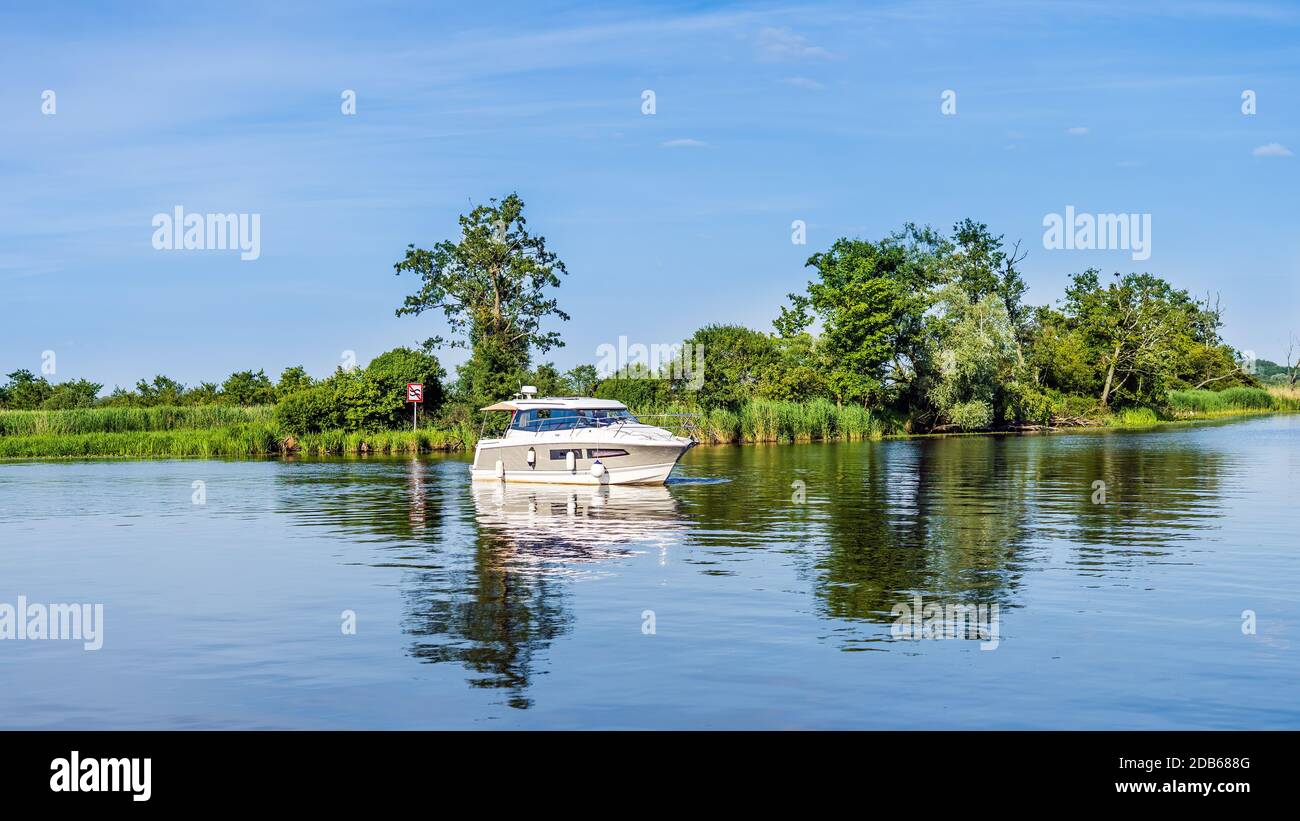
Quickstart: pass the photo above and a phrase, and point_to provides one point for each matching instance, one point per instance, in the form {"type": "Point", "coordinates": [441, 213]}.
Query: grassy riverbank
{"type": "Point", "coordinates": [228, 431]}
{"type": "Point", "coordinates": [214, 431]}
{"type": "Point", "coordinates": [202, 431]}
{"type": "Point", "coordinates": [240, 440]}
{"type": "Point", "coordinates": [1193, 405]}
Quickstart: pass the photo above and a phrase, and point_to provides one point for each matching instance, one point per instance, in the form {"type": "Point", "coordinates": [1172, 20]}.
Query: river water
{"type": "Point", "coordinates": [971, 582]}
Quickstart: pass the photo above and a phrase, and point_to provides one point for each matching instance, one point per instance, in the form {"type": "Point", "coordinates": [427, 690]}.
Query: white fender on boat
{"type": "Point", "coordinates": [597, 469]}
{"type": "Point", "coordinates": [501, 469]}
{"type": "Point", "coordinates": [570, 461]}
{"type": "Point", "coordinates": [532, 457]}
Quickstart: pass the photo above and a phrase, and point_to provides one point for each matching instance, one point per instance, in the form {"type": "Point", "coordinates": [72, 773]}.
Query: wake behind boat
{"type": "Point", "coordinates": [576, 441]}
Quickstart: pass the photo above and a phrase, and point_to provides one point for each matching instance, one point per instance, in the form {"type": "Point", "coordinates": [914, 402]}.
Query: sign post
{"type": "Point", "coordinates": [414, 395]}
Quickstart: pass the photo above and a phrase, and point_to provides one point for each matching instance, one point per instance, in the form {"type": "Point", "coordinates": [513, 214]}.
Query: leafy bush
{"type": "Point", "coordinates": [635, 389]}
{"type": "Point", "coordinates": [80, 393]}
{"type": "Point", "coordinates": [1073, 406]}
{"type": "Point", "coordinates": [974, 415]}
{"type": "Point", "coordinates": [399, 366]}
{"type": "Point", "coordinates": [371, 399]}
{"type": "Point", "coordinates": [1028, 404]}
{"type": "Point", "coordinates": [309, 411]}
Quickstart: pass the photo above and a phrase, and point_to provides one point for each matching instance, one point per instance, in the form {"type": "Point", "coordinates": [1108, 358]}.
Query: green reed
{"type": "Point", "coordinates": [121, 420]}
{"type": "Point", "coordinates": [768, 420]}
{"type": "Point", "coordinates": [233, 441]}
{"type": "Point", "coordinates": [1232, 400]}
{"type": "Point", "coordinates": [236, 440]}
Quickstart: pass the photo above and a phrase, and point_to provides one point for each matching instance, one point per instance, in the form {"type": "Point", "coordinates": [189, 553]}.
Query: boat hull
{"type": "Point", "coordinates": [623, 462]}
{"type": "Point", "coordinates": [641, 475]}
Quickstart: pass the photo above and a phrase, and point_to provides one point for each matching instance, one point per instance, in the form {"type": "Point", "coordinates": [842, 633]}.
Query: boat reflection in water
{"type": "Point", "coordinates": [498, 613]}
{"type": "Point", "coordinates": [549, 526]}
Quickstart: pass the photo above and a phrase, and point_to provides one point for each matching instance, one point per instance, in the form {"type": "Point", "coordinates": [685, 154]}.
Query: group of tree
{"type": "Point", "coordinates": [935, 330]}
{"type": "Point", "coordinates": [931, 328]}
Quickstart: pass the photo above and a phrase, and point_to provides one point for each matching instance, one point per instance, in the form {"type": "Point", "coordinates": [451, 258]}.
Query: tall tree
{"type": "Point", "coordinates": [248, 388]}
{"type": "Point", "coordinates": [981, 266]}
{"type": "Point", "coordinates": [493, 288]}
{"type": "Point", "coordinates": [26, 390]}
{"type": "Point", "coordinates": [1134, 325]}
{"type": "Point", "coordinates": [293, 379]}
{"type": "Point", "coordinates": [975, 360]}
{"type": "Point", "coordinates": [582, 380]}
{"type": "Point", "coordinates": [871, 299]}
{"type": "Point", "coordinates": [77, 393]}
{"type": "Point", "coordinates": [734, 358]}
{"type": "Point", "coordinates": [1292, 365]}
{"type": "Point", "coordinates": [163, 390]}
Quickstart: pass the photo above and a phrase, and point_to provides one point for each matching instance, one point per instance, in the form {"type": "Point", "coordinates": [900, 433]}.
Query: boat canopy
{"type": "Point", "coordinates": [571, 402]}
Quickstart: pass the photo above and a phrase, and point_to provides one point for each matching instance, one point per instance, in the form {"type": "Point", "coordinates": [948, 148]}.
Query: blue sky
{"type": "Point", "coordinates": [765, 114]}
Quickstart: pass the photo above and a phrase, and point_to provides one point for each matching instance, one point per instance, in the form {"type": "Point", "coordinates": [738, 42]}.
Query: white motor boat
{"type": "Point", "coordinates": [576, 441]}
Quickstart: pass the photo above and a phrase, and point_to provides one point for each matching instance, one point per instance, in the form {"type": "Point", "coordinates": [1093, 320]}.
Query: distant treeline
{"type": "Point", "coordinates": [369, 398]}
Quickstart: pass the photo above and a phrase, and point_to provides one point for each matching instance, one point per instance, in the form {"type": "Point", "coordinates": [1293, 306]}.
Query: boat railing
{"type": "Point", "coordinates": [687, 421]}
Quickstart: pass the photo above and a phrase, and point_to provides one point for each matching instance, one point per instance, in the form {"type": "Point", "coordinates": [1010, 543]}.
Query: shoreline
{"type": "Point", "coordinates": [263, 442]}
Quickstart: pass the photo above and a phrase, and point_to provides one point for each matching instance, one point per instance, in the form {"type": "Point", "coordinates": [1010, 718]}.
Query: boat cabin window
{"type": "Point", "coordinates": [539, 420]}
{"type": "Point", "coordinates": [601, 416]}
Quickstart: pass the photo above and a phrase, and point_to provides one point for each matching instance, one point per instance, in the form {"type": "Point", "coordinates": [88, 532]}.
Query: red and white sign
{"type": "Point", "coordinates": [414, 392]}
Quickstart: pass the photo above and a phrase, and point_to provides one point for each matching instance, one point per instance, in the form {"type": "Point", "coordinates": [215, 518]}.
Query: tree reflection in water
{"type": "Point", "coordinates": [956, 520]}
{"type": "Point", "coordinates": [959, 520]}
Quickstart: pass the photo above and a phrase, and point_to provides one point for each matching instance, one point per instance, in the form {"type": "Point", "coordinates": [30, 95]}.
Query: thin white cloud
{"type": "Point", "coordinates": [1272, 150]}
{"type": "Point", "coordinates": [1077, 131]}
{"type": "Point", "coordinates": [685, 142]}
{"type": "Point", "coordinates": [781, 44]}
{"type": "Point", "coordinates": [803, 82]}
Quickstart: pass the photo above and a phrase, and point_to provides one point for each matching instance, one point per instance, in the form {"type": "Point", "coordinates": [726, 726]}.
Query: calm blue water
{"type": "Point", "coordinates": [527, 606]}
